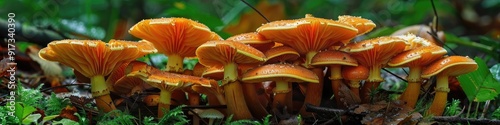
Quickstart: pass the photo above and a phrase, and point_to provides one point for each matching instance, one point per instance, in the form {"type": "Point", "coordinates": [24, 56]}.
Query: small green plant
{"type": "Point", "coordinates": [496, 114]}
{"type": "Point", "coordinates": [117, 117]}
{"type": "Point", "coordinates": [240, 122]}
{"type": "Point", "coordinates": [453, 108]}
{"type": "Point", "coordinates": [54, 105]}
{"type": "Point", "coordinates": [175, 116]}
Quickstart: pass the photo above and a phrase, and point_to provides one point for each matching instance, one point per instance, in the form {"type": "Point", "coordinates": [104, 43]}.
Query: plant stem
{"type": "Point", "coordinates": [100, 93]}
{"type": "Point", "coordinates": [236, 103]}
{"type": "Point", "coordinates": [164, 102]}
{"type": "Point", "coordinates": [410, 95]}
{"type": "Point", "coordinates": [371, 83]}
{"type": "Point", "coordinates": [175, 63]}
{"type": "Point", "coordinates": [439, 102]}
{"type": "Point", "coordinates": [281, 91]}
{"type": "Point", "coordinates": [313, 93]}
{"type": "Point", "coordinates": [336, 77]}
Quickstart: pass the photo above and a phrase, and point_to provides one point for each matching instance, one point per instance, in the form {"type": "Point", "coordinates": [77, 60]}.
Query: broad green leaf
{"type": "Point", "coordinates": [495, 71]}
{"type": "Point", "coordinates": [23, 111]}
{"type": "Point", "coordinates": [479, 86]}
{"type": "Point", "coordinates": [48, 118]}
{"type": "Point", "coordinates": [33, 118]}
{"type": "Point", "coordinates": [65, 122]}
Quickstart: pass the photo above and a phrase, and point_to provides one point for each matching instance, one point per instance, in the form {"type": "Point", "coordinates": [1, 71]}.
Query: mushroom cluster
{"type": "Point", "coordinates": [256, 70]}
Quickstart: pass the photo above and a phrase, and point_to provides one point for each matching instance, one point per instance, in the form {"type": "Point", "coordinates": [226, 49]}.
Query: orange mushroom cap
{"type": "Point", "coordinates": [331, 57]}
{"type": "Point", "coordinates": [309, 33]}
{"type": "Point", "coordinates": [451, 65]}
{"type": "Point", "coordinates": [415, 41]}
{"type": "Point", "coordinates": [363, 25]}
{"type": "Point", "coordinates": [168, 81]}
{"type": "Point", "coordinates": [94, 57]}
{"type": "Point", "coordinates": [417, 57]}
{"type": "Point", "coordinates": [220, 53]}
{"type": "Point", "coordinates": [281, 54]}
{"type": "Point", "coordinates": [280, 72]}
{"type": "Point", "coordinates": [198, 69]}
{"type": "Point", "coordinates": [253, 39]}
{"type": "Point", "coordinates": [375, 51]}
{"type": "Point", "coordinates": [355, 72]}
{"type": "Point", "coordinates": [216, 73]}
{"type": "Point", "coordinates": [174, 35]}
{"type": "Point", "coordinates": [129, 85]}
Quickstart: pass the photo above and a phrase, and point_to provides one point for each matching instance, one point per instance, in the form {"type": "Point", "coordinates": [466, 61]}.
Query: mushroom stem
{"type": "Point", "coordinates": [410, 95]}
{"type": "Point", "coordinates": [336, 77]}
{"type": "Point", "coordinates": [236, 103]}
{"type": "Point", "coordinates": [313, 93]}
{"type": "Point", "coordinates": [281, 91]}
{"type": "Point", "coordinates": [100, 93]}
{"type": "Point", "coordinates": [354, 86]}
{"type": "Point", "coordinates": [194, 98]}
{"type": "Point", "coordinates": [164, 103]}
{"type": "Point", "coordinates": [371, 84]}
{"type": "Point", "coordinates": [442, 89]}
{"type": "Point", "coordinates": [175, 63]}
{"type": "Point", "coordinates": [309, 57]}
{"type": "Point", "coordinates": [252, 99]}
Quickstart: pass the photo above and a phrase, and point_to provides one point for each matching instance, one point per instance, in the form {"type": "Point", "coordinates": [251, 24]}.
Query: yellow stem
{"type": "Point", "coordinates": [235, 100]}
{"type": "Point", "coordinates": [439, 102]}
{"type": "Point", "coordinates": [100, 93]}
{"type": "Point", "coordinates": [175, 63]}
{"type": "Point", "coordinates": [410, 95]}
{"type": "Point", "coordinates": [281, 92]}
{"type": "Point", "coordinates": [164, 103]}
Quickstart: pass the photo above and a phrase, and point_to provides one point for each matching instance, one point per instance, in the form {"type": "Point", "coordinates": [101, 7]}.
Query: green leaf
{"type": "Point", "coordinates": [48, 118]}
{"type": "Point", "coordinates": [479, 86]}
{"type": "Point", "coordinates": [65, 122]}
{"type": "Point", "coordinates": [23, 111]}
{"type": "Point", "coordinates": [31, 118]}
{"type": "Point", "coordinates": [495, 71]}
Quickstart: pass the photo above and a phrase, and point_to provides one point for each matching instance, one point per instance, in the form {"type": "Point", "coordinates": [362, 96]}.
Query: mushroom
{"type": "Point", "coordinates": [451, 66]}
{"type": "Point", "coordinates": [258, 42]}
{"type": "Point", "coordinates": [167, 82]}
{"type": "Point", "coordinates": [210, 114]}
{"type": "Point", "coordinates": [363, 25]}
{"type": "Point", "coordinates": [175, 37]}
{"type": "Point", "coordinates": [282, 74]}
{"type": "Point", "coordinates": [334, 60]}
{"type": "Point", "coordinates": [214, 93]}
{"type": "Point", "coordinates": [95, 59]}
{"type": "Point", "coordinates": [230, 54]}
{"type": "Point", "coordinates": [416, 59]}
{"type": "Point", "coordinates": [253, 39]}
{"type": "Point", "coordinates": [281, 54]}
{"type": "Point", "coordinates": [308, 36]}
{"type": "Point", "coordinates": [355, 74]}
{"type": "Point", "coordinates": [374, 54]}
{"type": "Point", "coordinates": [128, 85]}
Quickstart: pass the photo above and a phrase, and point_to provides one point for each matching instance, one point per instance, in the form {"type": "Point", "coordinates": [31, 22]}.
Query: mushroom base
{"type": "Point", "coordinates": [236, 103]}
{"type": "Point", "coordinates": [438, 104]}
{"type": "Point", "coordinates": [314, 93]}
{"type": "Point", "coordinates": [410, 95]}
{"type": "Point", "coordinates": [100, 93]}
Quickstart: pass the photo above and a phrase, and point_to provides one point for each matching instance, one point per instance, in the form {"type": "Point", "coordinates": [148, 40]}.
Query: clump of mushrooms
{"type": "Point", "coordinates": [95, 59]}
